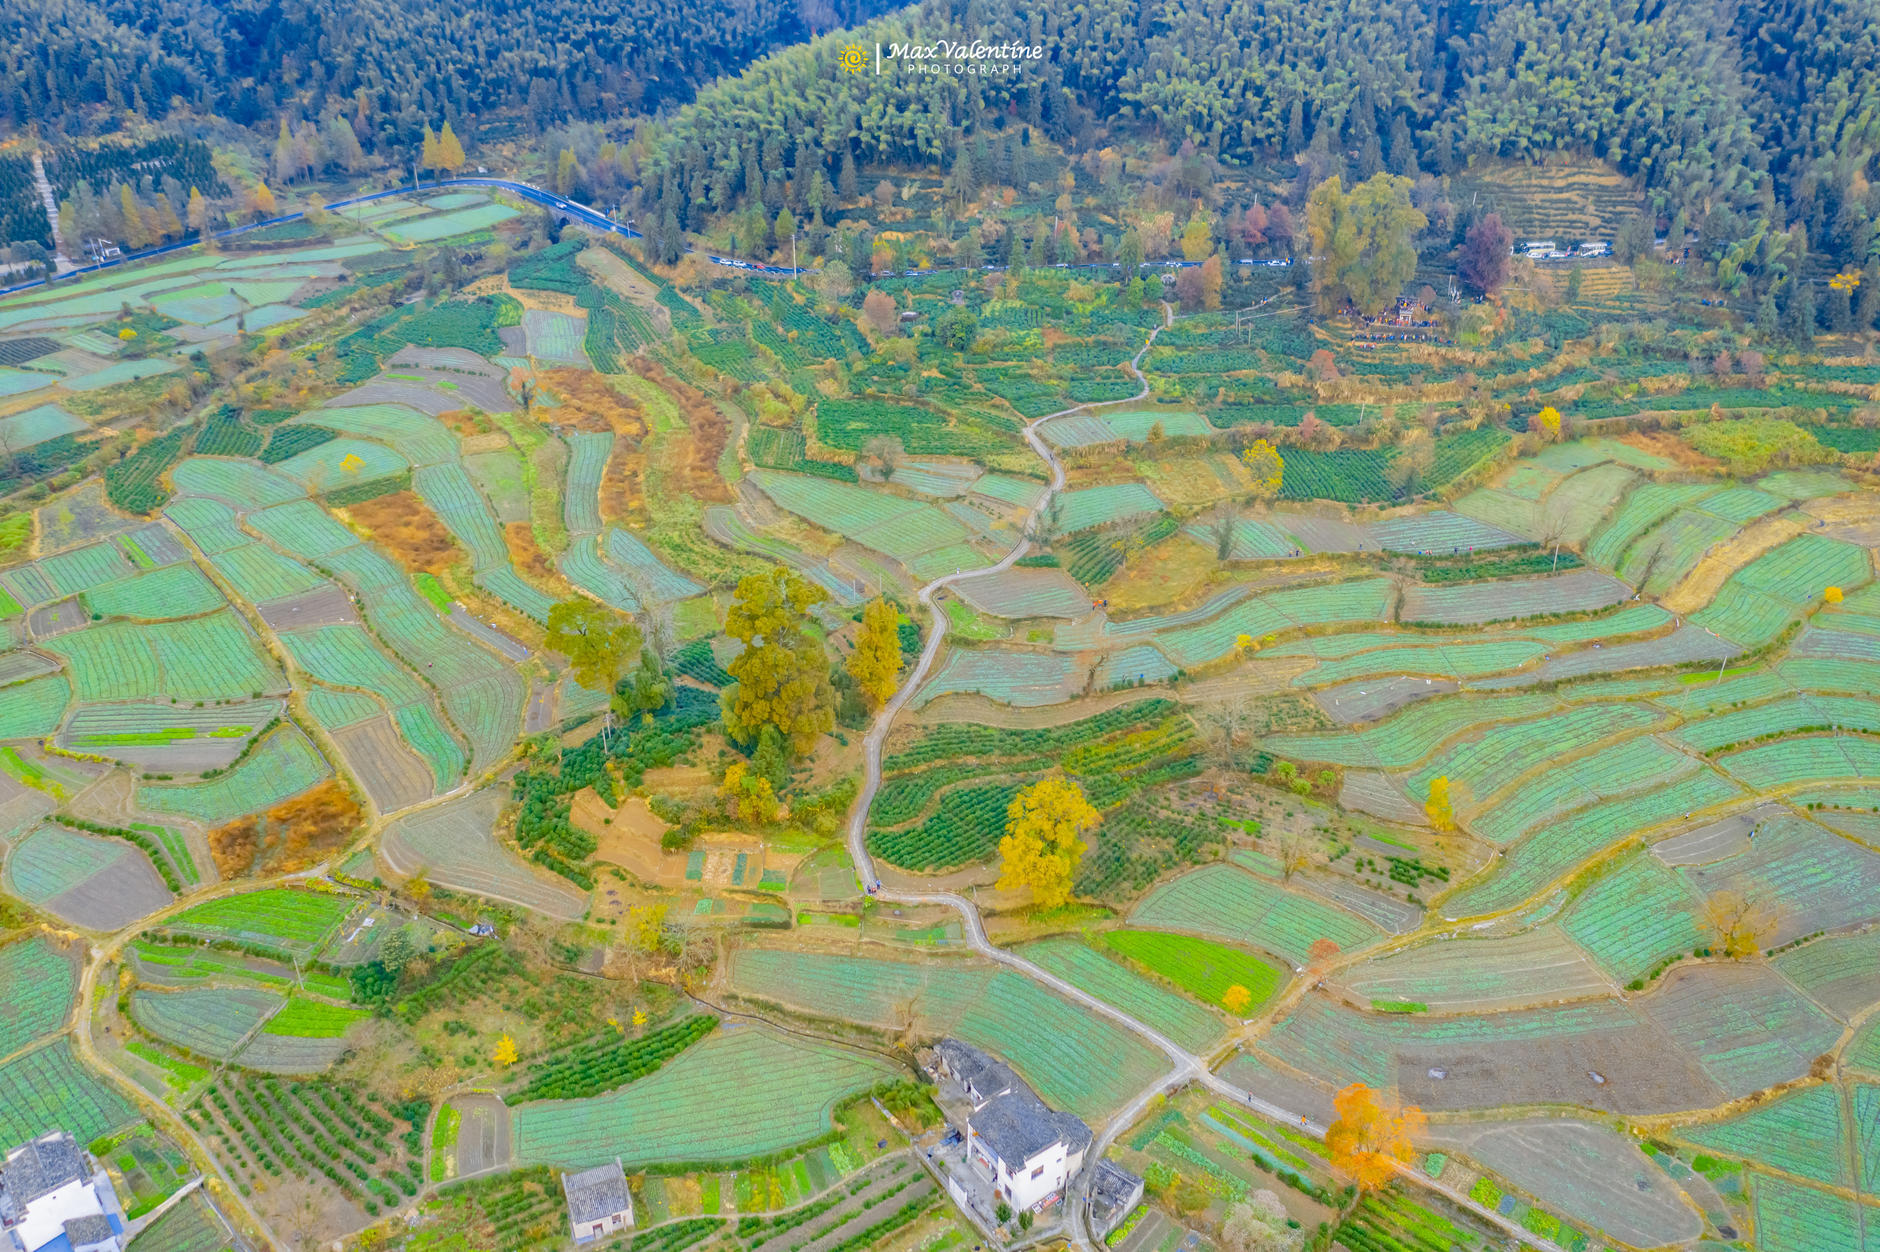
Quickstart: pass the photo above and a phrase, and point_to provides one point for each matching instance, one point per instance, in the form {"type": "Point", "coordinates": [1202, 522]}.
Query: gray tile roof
{"type": "Point", "coordinates": [594, 1194]}
{"type": "Point", "coordinates": [1111, 1185]}
{"type": "Point", "coordinates": [42, 1167]}
{"type": "Point", "coordinates": [93, 1228]}
{"type": "Point", "coordinates": [1012, 1121]}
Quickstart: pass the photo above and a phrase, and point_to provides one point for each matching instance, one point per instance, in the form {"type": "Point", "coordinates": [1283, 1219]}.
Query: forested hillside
{"type": "Point", "coordinates": [389, 64]}
{"type": "Point", "coordinates": [1756, 124]}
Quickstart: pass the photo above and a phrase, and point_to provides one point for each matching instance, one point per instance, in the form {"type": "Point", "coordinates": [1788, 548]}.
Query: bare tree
{"type": "Point", "coordinates": [1739, 921]}
{"type": "Point", "coordinates": [1296, 852]}
{"type": "Point", "coordinates": [881, 454]}
{"type": "Point", "coordinates": [1226, 514]}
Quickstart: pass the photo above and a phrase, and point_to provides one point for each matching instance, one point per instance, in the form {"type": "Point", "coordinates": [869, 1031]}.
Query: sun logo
{"type": "Point", "coordinates": [854, 58]}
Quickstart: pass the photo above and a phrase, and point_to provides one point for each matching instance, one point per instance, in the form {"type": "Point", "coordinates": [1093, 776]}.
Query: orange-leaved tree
{"type": "Point", "coordinates": [1371, 1135]}
{"type": "Point", "coordinates": [875, 664]}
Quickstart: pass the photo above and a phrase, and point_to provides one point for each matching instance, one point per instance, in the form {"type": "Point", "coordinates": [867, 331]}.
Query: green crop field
{"type": "Point", "coordinates": [1073, 511]}
{"type": "Point", "coordinates": [259, 574]}
{"type": "Point", "coordinates": [37, 984]}
{"type": "Point", "coordinates": [47, 1089]}
{"type": "Point", "coordinates": [202, 658]}
{"type": "Point", "coordinates": [1798, 1217]}
{"type": "Point", "coordinates": [205, 1021]}
{"type": "Point", "coordinates": [1787, 762]}
{"type": "Point", "coordinates": [32, 710]}
{"type": "Point", "coordinates": [1411, 736]}
{"type": "Point", "coordinates": [275, 917]}
{"type": "Point", "coordinates": [176, 591]}
{"type": "Point", "coordinates": [303, 528]}
{"type": "Point", "coordinates": [1627, 766]}
{"type": "Point", "coordinates": [1486, 764]}
{"type": "Point", "coordinates": [1201, 967]}
{"type": "Point", "coordinates": [1081, 965]}
{"type": "Point", "coordinates": [433, 227]}
{"type": "Point", "coordinates": [284, 764]}
{"type": "Point", "coordinates": [1802, 1134]}
{"type": "Point", "coordinates": [1634, 917]}
{"type": "Point", "coordinates": [1644, 507]}
{"type": "Point", "coordinates": [304, 1018]}
{"type": "Point", "coordinates": [1226, 903]}
{"type": "Point", "coordinates": [742, 1093]}
{"type": "Point", "coordinates": [1074, 1059]}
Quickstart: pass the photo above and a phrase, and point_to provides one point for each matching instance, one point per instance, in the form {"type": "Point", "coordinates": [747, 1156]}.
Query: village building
{"type": "Point", "coordinates": [599, 1203]}
{"type": "Point", "coordinates": [1023, 1149]}
{"type": "Point", "coordinates": [55, 1198]}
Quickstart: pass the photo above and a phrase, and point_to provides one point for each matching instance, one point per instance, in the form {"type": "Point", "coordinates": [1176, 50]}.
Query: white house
{"type": "Point", "coordinates": [53, 1197]}
{"type": "Point", "coordinates": [599, 1203]}
{"type": "Point", "coordinates": [1025, 1150]}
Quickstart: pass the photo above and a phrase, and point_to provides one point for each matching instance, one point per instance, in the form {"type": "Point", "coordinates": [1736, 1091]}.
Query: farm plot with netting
{"type": "Point", "coordinates": [1189, 644]}
{"type": "Point", "coordinates": [1839, 972]}
{"type": "Point", "coordinates": [1482, 766]}
{"type": "Point", "coordinates": [1226, 903]}
{"type": "Point", "coordinates": [1634, 916]}
{"type": "Point", "coordinates": [1802, 1133]}
{"type": "Point", "coordinates": [1435, 530]}
{"type": "Point", "coordinates": [184, 737]}
{"type": "Point", "coordinates": [1462, 604]}
{"type": "Point", "coordinates": [554, 336]}
{"type": "Point", "coordinates": [656, 582]}
{"type": "Point", "coordinates": [1740, 504]}
{"type": "Point", "coordinates": [84, 568]}
{"type": "Point", "coordinates": [1455, 660]}
{"type": "Point", "coordinates": [175, 591]}
{"type": "Point", "coordinates": [1018, 679]}
{"type": "Point", "coordinates": [1541, 858]}
{"type": "Point", "coordinates": [435, 226]}
{"type": "Point", "coordinates": [284, 764]}
{"type": "Point", "coordinates": [583, 566]}
{"type": "Point", "coordinates": [1578, 503]}
{"type": "Point", "coordinates": [1619, 769]}
{"type": "Point", "coordinates": [210, 524]}
{"type": "Point", "coordinates": [47, 1089]}
{"type": "Point", "coordinates": [341, 463]}
{"type": "Point", "coordinates": [742, 1093]}
{"type": "Point", "coordinates": [37, 425]}
{"type": "Point", "coordinates": [499, 474]}
{"type": "Point", "coordinates": [346, 656]}
{"type": "Point", "coordinates": [1412, 735]}
{"type": "Point", "coordinates": [1746, 1026]}
{"type": "Point", "coordinates": [278, 918]}
{"type": "Point", "coordinates": [1133, 666]}
{"type": "Point", "coordinates": [37, 982]}
{"type": "Point", "coordinates": [455, 846]}
{"type": "Point", "coordinates": [261, 575]}
{"type": "Point", "coordinates": [1074, 1059]}
{"type": "Point", "coordinates": [1644, 506]}
{"type": "Point", "coordinates": [1182, 1020]}
{"type": "Point", "coordinates": [101, 884]}
{"type": "Point", "coordinates": [242, 484]}
{"type": "Point", "coordinates": [454, 498]}
{"type": "Point", "coordinates": [1022, 593]}
{"type": "Point", "coordinates": [1523, 1056]}
{"type": "Point", "coordinates": [1785, 763]}
{"type": "Point", "coordinates": [206, 1021]}
{"type": "Point", "coordinates": [205, 658]}
{"type": "Point", "coordinates": [419, 437]}
{"type": "Point", "coordinates": [1480, 975]}
{"type": "Point", "coordinates": [32, 710]}
{"type": "Point", "coordinates": [1073, 511]}
{"type": "Point", "coordinates": [1813, 879]}
{"type": "Point", "coordinates": [1659, 560]}
{"type": "Point", "coordinates": [1251, 539]}
{"type": "Point", "coordinates": [1793, 1218]}
{"type": "Point", "coordinates": [1785, 716]}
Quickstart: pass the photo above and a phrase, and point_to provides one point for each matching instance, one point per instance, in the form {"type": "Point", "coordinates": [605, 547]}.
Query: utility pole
{"type": "Point", "coordinates": [793, 269]}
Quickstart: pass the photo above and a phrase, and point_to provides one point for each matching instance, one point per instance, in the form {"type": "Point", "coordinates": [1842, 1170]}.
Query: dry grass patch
{"type": "Point", "coordinates": [404, 526]}
{"type": "Point", "coordinates": [470, 424]}
{"type": "Point", "coordinates": [1668, 445]}
{"type": "Point", "coordinates": [289, 837]}
{"type": "Point", "coordinates": [695, 454]}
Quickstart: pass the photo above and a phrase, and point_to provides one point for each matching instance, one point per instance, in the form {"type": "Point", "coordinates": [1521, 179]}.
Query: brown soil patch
{"type": "Point", "coordinates": [708, 432]}
{"type": "Point", "coordinates": [1672, 448]}
{"type": "Point", "coordinates": [527, 554]}
{"type": "Point", "coordinates": [465, 422]}
{"type": "Point", "coordinates": [1701, 584]}
{"type": "Point", "coordinates": [404, 525]}
{"type": "Point", "coordinates": [628, 837]}
{"type": "Point", "coordinates": [1844, 509]}
{"type": "Point", "coordinates": [494, 441]}
{"type": "Point", "coordinates": [590, 404]}
{"type": "Point", "coordinates": [290, 836]}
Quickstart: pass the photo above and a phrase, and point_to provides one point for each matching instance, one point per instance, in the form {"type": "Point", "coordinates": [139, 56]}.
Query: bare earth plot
{"type": "Point", "coordinates": [392, 774]}
{"type": "Point", "coordinates": [455, 844]}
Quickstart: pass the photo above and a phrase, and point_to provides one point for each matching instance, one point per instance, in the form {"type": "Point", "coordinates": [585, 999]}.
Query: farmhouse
{"type": "Point", "coordinates": [1114, 1191]}
{"type": "Point", "coordinates": [598, 1201]}
{"type": "Point", "coordinates": [53, 1196]}
{"type": "Point", "coordinates": [1026, 1151]}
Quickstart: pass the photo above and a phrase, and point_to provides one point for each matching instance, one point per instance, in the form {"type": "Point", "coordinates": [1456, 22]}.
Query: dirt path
{"type": "Point", "coordinates": [1701, 585]}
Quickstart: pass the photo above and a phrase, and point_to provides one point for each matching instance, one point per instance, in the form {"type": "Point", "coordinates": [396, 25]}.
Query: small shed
{"type": "Point", "coordinates": [598, 1201]}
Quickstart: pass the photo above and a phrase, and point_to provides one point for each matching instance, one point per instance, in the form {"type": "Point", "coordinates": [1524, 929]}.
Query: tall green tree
{"type": "Point", "coordinates": [1363, 241]}
{"type": "Point", "coordinates": [782, 675]}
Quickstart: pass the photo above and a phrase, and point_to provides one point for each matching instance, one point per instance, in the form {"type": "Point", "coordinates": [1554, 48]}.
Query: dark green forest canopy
{"type": "Point", "coordinates": [1765, 113]}
{"type": "Point", "coordinates": [409, 60]}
